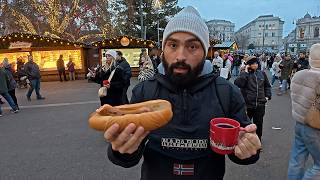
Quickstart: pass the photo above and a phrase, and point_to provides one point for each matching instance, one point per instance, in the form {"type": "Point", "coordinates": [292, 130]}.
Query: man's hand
{"type": "Point", "coordinates": [248, 143]}
{"type": "Point", "coordinates": [247, 68]}
{"type": "Point", "coordinates": [128, 140]}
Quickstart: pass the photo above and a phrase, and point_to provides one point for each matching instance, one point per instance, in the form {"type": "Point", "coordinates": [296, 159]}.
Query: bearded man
{"type": "Point", "coordinates": [181, 148]}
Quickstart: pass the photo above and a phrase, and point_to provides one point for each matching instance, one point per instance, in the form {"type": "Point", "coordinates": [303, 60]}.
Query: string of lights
{"type": "Point", "coordinates": [38, 41]}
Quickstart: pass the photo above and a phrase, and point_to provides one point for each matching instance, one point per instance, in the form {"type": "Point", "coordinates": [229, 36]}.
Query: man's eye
{"type": "Point", "coordinates": [173, 45]}
{"type": "Point", "coordinates": [193, 46]}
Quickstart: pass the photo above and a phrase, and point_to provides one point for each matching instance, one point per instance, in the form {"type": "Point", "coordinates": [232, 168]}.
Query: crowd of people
{"type": "Point", "coordinates": [27, 75]}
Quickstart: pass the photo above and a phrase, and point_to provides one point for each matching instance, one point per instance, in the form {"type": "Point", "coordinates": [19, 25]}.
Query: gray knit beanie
{"type": "Point", "coordinates": [188, 20]}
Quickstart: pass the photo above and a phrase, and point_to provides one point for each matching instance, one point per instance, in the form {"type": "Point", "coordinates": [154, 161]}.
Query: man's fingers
{"type": "Point", "coordinates": [132, 141]}
{"type": "Point", "coordinates": [123, 136]}
{"type": "Point", "coordinates": [251, 128]}
{"type": "Point", "coordinates": [112, 132]}
{"type": "Point", "coordinates": [133, 149]}
{"type": "Point", "coordinates": [247, 146]}
{"type": "Point", "coordinates": [101, 108]}
{"type": "Point", "coordinates": [241, 150]}
{"type": "Point", "coordinates": [254, 140]}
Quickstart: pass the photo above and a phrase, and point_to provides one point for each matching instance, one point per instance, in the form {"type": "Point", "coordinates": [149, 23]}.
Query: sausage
{"type": "Point", "coordinates": [151, 115]}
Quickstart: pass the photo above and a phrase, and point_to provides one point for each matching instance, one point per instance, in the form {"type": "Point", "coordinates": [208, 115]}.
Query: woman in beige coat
{"type": "Point", "coordinates": [304, 90]}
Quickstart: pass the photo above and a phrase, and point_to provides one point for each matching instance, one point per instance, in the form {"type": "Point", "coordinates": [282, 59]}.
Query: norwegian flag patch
{"type": "Point", "coordinates": [183, 169]}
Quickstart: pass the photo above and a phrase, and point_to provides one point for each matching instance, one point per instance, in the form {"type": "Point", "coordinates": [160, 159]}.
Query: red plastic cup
{"type": "Point", "coordinates": [224, 133]}
{"type": "Point", "coordinates": [105, 82]}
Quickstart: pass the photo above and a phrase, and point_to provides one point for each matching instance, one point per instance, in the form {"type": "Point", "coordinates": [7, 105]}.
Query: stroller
{"type": "Point", "coordinates": [22, 81]}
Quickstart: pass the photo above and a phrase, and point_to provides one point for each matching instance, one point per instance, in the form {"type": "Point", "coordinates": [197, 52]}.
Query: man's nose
{"type": "Point", "coordinates": [181, 54]}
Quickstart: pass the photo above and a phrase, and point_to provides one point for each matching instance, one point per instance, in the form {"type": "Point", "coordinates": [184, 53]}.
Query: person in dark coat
{"type": "Point", "coordinates": [302, 63]}
{"type": "Point", "coordinates": [61, 68]}
{"type": "Point", "coordinates": [256, 90]}
{"type": "Point", "coordinates": [116, 85]}
{"type": "Point", "coordinates": [155, 58]}
{"type": "Point", "coordinates": [4, 90]}
{"type": "Point", "coordinates": [286, 67]}
{"type": "Point", "coordinates": [12, 84]}
{"type": "Point", "coordinates": [123, 63]}
{"type": "Point", "coordinates": [33, 73]}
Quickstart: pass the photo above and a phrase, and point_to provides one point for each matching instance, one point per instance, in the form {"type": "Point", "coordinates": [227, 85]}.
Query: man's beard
{"type": "Point", "coordinates": [183, 80]}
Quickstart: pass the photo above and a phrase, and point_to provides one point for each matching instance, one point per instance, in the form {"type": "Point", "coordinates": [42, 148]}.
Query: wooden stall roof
{"type": "Point", "coordinates": [124, 42]}
{"type": "Point", "coordinates": [214, 42]}
{"type": "Point", "coordinates": [226, 45]}
{"type": "Point", "coordinates": [36, 41]}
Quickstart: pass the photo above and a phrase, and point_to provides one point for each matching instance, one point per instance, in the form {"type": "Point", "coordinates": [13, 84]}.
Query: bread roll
{"type": "Point", "coordinates": [151, 115]}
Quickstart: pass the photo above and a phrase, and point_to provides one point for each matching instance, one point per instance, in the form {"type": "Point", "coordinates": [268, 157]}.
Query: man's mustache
{"type": "Point", "coordinates": [180, 64]}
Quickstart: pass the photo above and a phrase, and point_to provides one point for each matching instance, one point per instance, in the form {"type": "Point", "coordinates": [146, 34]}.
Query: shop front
{"type": "Point", "coordinates": [129, 46]}
{"type": "Point", "coordinates": [45, 52]}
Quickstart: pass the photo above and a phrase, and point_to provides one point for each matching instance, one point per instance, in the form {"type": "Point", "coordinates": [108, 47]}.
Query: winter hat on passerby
{"type": "Point", "coordinates": [252, 60]}
{"type": "Point", "coordinates": [5, 62]}
{"type": "Point", "coordinates": [112, 53]}
{"type": "Point", "coordinates": [314, 57]}
{"type": "Point", "coordinates": [188, 20]}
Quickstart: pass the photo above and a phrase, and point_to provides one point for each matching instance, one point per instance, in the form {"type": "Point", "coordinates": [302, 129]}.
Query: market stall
{"type": "Point", "coordinates": [130, 47]}
{"type": "Point", "coordinates": [224, 48]}
{"type": "Point", "coordinates": [45, 51]}
{"type": "Point", "coordinates": [210, 50]}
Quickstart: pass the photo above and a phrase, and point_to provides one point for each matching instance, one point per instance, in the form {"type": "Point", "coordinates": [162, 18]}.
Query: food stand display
{"type": "Point", "coordinates": [210, 50]}
{"type": "Point", "coordinates": [129, 46]}
{"type": "Point", "coordinates": [45, 52]}
{"type": "Point", "coordinates": [224, 48]}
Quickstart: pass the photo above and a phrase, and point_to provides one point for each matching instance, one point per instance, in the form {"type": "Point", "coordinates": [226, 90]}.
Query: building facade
{"type": "Point", "coordinates": [263, 33]}
{"type": "Point", "coordinates": [221, 30]}
{"type": "Point", "coordinates": [307, 32]}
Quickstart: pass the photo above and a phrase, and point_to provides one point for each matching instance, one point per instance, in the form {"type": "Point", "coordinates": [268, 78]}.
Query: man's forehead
{"type": "Point", "coordinates": [182, 37]}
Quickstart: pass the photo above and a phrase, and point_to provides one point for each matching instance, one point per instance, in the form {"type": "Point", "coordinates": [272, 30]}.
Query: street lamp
{"type": "Point", "coordinates": [157, 7]}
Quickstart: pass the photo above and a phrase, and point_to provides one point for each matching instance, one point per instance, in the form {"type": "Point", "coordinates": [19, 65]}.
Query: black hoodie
{"type": "Point", "coordinates": [184, 140]}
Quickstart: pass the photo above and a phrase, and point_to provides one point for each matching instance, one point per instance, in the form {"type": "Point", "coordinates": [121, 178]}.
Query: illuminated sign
{"type": "Point", "coordinates": [132, 55]}
{"type": "Point", "coordinates": [18, 44]}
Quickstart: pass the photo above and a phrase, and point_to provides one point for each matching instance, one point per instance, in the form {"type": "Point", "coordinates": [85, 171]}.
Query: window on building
{"type": "Point", "coordinates": [316, 32]}
{"type": "Point", "coordinates": [301, 32]}
{"type": "Point", "coordinates": [266, 26]}
{"type": "Point", "coordinates": [266, 35]}
{"type": "Point", "coordinates": [273, 34]}
{"type": "Point", "coordinates": [259, 34]}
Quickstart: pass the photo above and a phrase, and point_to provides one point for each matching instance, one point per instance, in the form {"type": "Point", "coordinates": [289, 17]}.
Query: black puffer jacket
{"type": "Point", "coordinates": [125, 66]}
{"type": "Point", "coordinates": [255, 88]}
{"type": "Point", "coordinates": [115, 92]}
{"type": "Point", "coordinates": [193, 108]}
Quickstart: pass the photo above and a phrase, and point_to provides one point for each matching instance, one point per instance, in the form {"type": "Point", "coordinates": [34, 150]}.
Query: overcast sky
{"type": "Point", "coordinates": [242, 12]}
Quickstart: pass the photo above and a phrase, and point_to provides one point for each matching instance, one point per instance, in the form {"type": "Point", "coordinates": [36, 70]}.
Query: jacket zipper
{"type": "Point", "coordinates": [257, 89]}
{"type": "Point", "coordinates": [184, 104]}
